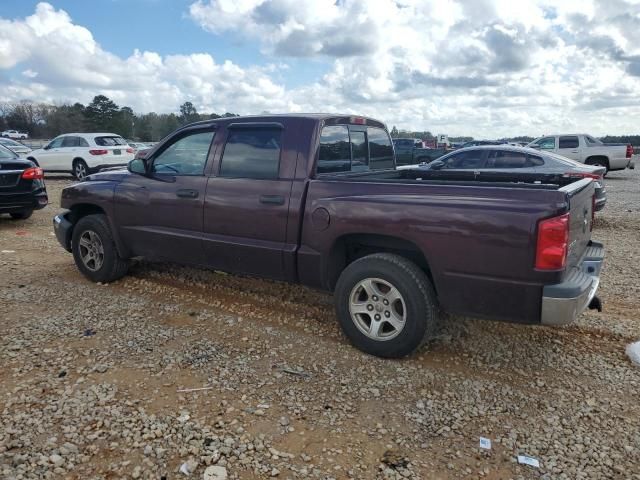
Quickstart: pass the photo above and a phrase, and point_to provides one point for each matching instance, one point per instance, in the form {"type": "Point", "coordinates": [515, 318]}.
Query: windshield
{"type": "Point", "coordinates": [109, 141]}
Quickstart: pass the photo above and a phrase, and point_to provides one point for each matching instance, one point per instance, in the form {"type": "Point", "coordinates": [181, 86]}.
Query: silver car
{"type": "Point", "coordinates": [17, 147]}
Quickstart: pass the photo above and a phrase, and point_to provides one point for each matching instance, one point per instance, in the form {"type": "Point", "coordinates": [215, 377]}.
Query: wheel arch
{"type": "Point", "coordinates": [594, 158]}
{"type": "Point", "coordinates": [350, 247]}
{"type": "Point", "coordinates": [80, 210]}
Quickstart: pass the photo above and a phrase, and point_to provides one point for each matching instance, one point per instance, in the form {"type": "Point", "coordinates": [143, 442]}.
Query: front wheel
{"type": "Point", "coordinates": [94, 250]}
{"type": "Point", "coordinates": [80, 169]}
{"type": "Point", "coordinates": [386, 305]}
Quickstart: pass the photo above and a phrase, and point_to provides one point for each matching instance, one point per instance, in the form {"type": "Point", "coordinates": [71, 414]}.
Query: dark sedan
{"type": "Point", "coordinates": [500, 160]}
{"type": "Point", "coordinates": [22, 188]}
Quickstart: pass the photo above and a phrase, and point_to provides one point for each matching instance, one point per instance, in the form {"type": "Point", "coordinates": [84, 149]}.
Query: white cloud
{"type": "Point", "coordinates": [481, 67]}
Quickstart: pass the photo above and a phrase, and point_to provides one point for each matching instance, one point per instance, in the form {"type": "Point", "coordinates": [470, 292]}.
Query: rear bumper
{"type": "Point", "coordinates": [563, 302]}
{"type": "Point", "coordinates": [63, 228]}
{"type": "Point", "coordinates": [18, 202]}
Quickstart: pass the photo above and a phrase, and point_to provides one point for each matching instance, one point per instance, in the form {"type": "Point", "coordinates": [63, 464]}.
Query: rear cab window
{"type": "Point", "coordinates": [569, 141]}
{"type": "Point", "coordinates": [354, 148]}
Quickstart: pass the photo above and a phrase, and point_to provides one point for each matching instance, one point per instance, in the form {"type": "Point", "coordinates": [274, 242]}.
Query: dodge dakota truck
{"type": "Point", "coordinates": [316, 199]}
{"type": "Point", "coordinates": [586, 149]}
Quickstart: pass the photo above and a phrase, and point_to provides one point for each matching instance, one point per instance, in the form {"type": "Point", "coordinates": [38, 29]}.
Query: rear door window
{"type": "Point", "coordinates": [252, 153]}
{"type": "Point", "coordinates": [380, 150]}
{"type": "Point", "coordinates": [70, 142]}
{"type": "Point", "coordinates": [568, 142]}
{"type": "Point", "coordinates": [82, 142]}
{"type": "Point", "coordinates": [506, 159]}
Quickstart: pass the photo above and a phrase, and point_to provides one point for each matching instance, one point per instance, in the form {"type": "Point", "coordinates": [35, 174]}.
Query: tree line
{"type": "Point", "coordinates": [41, 120]}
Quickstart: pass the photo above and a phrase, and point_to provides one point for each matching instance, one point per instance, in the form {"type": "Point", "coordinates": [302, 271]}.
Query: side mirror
{"type": "Point", "coordinates": [137, 165]}
{"type": "Point", "coordinates": [535, 146]}
{"type": "Point", "coordinates": [436, 165]}
{"type": "Point", "coordinates": [47, 146]}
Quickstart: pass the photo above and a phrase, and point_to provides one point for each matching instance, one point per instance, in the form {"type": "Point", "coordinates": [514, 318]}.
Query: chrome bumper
{"type": "Point", "coordinates": [563, 302]}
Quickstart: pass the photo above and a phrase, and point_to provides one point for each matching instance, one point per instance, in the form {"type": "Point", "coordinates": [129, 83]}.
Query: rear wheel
{"type": "Point", "coordinates": [386, 305]}
{"type": "Point", "coordinates": [80, 169]}
{"type": "Point", "coordinates": [599, 162]}
{"type": "Point", "coordinates": [23, 215]}
{"type": "Point", "coordinates": [94, 250]}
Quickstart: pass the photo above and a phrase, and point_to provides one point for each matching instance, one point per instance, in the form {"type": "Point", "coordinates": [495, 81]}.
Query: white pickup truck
{"type": "Point", "coordinates": [15, 135]}
{"type": "Point", "coordinates": [587, 149]}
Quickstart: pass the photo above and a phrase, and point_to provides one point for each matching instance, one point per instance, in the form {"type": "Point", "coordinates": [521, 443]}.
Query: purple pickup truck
{"type": "Point", "coordinates": [316, 199]}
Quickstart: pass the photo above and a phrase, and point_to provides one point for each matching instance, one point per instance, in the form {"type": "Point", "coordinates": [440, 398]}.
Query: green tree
{"type": "Point", "coordinates": [101, 114]}
{"type": "Point", "coordinates": [188, 113]}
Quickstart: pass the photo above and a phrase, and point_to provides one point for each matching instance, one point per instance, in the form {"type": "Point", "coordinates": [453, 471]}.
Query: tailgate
{"type": "Point", "coordinates": [580, 196]}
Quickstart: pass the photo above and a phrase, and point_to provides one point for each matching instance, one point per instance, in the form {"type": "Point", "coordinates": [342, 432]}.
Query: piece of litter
{"type": "Point", "coordinates": [263, 406]}
{"type": "Point", "coordinates": [532, 462]}
{"type": "Point", "coordinates": [485, 443]}
{"type": "Point", "coordinates": [294, 372]}
{"type": "Point", "coordinates": [186, 390]}
{"type": "Point", "coordinates": [184, 468]}
{"type": "Point", "coordinates": [633, 352]}
{"type": "Point", "coordinates": [89, 332]}
{"type": "Point", "coordinates": [8, 251]}
{"type": "Point", "coordinates": [215, 472]}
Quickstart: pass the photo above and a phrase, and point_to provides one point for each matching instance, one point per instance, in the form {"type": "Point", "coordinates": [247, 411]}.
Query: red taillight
{"type": "Point", "coordinates": [595, 176]}
{"type": "Point", "coordinates": [552, 246]}
{"type": "Point", "coordinates": [629, 150]}
{"type": "Point", "coordinates": [34, 173]}
{"type": "Point", "coordinates": [98, 152]}
{"type": "Point", "coordinates": [130, 150]}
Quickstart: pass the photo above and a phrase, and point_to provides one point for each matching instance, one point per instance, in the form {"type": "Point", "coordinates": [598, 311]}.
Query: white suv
{"type": "Point", "coordinates": [82, 153]}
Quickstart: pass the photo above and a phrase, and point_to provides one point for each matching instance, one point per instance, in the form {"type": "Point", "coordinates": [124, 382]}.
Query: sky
{"type": "Point", "coordinates": [483, 68]}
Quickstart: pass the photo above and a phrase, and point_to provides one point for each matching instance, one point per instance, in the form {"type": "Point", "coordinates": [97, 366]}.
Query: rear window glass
{"type": "Point", "coordinates": [360, 160]}
{"type": "Point", "coordinates": [335, 150]}
{"type": "Point", "coordinates": [380, 150]}
{"type": "Point", "coordinates": [109, 141]}
{"type": "Point", "coordinates": [252, 153]}
{"type": "Point", "coordinates": [507, 159]}
{"type": "Point", "coordinates": [568, 142]}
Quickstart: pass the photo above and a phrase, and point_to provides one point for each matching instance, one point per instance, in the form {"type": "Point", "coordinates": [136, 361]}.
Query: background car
{"type": "Point", "coordinates": [15, 134]}
{"type": "Point", "coordinates": [138, 146]}
{"type": "Point", "coordinates": [17, 147]}
{"type": "Point", "coordinates": [83, 153]}
{"type": "Point", "coordinates": [22, 188]}
{"type": "Point", "coordinates": [477, 143]}
{"type": "Point", "coordinates": [505, 159]}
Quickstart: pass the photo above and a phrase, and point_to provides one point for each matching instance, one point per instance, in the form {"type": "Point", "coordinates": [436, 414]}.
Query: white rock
{"type": "Point", "coordinates": [633, 352]}
{"type": "Point", "coordinates": [215, 472]}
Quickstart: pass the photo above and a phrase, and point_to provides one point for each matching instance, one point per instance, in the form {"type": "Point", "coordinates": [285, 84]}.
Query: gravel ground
{"type": "Point", "coordinates": [91, 378]}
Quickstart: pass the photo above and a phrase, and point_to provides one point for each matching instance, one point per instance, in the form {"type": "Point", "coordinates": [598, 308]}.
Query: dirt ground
{"type": "Point", "coordinates": [91, 376]}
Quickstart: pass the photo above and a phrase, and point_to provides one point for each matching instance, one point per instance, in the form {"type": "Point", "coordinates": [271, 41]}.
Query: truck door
{"type": "Point", "coordinates": [160, 214]}
{"type": "Point", "coordinates": [247, 201]}
{"type": "Point", "coordinates": [569, 146]}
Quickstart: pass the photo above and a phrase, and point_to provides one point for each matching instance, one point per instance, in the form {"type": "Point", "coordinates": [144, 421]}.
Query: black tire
{"type": "Point", "coordinates": [80, 169]}
{"type": "Point", "coordinates": [112, 266]}
{"type": "Point", "coordinates": [599, 162]}
{"type": "Point", "coordinates": [23, 215]}
{"type": "Point", "coordinates": [418, 295]}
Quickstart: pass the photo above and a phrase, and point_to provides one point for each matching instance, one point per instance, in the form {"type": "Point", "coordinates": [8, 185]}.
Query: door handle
{"type": "Point", "coordinates": [187, 193]}
{"type": "Point", "coordinates": [272, 199]}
